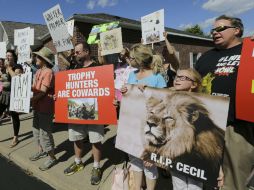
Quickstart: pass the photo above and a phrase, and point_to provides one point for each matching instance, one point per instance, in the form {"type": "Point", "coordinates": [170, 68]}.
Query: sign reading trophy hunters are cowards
{"type": "Point", "coordinates": [21, 93]}
{"type": "Point", "coordinates": [153, 27]}
{"type": "Point", "coordinates": [58, 29]}
{"type": "Point", "coordinates": [245, 83]}
{"type": "Point", "coordinates": [85, 96]}
{"type": "Point", "coordinates": [179, 131]}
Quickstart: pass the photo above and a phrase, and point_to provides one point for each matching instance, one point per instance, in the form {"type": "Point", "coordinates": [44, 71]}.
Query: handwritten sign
{"type": "Point", "coordinates": [21, 93]}
{"type": "Point", "coordinates": [57, 28]}
{"type": "Point", "coordinates": [3, 50]}
{"type": "Point", "coordinates": [22, 38]}
{"type": "Point", "coordinates": [153, 27]}
{"type": "Point", "coordinates": [70, 26]}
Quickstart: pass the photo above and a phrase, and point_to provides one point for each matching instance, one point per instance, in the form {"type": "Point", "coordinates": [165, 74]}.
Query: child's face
{"type": "Point", "coordinates": [184, 81]}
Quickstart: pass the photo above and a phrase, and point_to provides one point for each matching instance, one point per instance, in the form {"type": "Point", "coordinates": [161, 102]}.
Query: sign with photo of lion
{"type": "Point", "coordinates": [180, 131]}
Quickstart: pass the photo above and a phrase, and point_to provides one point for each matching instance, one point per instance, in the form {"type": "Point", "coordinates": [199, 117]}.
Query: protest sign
{"type": "Point", "coordinates": [97, 29]}
{"type": "Point", "coordinates": [85, 96]}
{"type": "Point", "coordinates": [153, 27]}
{"type": "Point", "coordinates": [23, 40]}
{"type": "Point", "coordinates": [57, 28]}
{"type": "Point", "coordinates": [3, 50]}
{"type": "Point", "coordinates": [70, 26]}
{"type": "Point", "coordinates": [111, 41]}
{"type": "Point", "coordinates": [179, 131]}
{"type": "Point", "coordinates": [245, 83]}
{"type": "Point", "coordinates": [21, 93]}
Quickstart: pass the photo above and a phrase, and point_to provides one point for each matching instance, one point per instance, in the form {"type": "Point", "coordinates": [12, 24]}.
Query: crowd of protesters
{"type": "Point", "coordinates": [142, 66]}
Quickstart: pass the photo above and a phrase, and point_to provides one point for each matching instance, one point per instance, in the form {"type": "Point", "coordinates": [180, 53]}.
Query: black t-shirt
{"type": "Point", "coordinates": [219, 68]}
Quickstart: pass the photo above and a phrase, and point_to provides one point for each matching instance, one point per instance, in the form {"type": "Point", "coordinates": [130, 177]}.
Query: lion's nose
{"type": "Point", "coordinates": [150, 124]}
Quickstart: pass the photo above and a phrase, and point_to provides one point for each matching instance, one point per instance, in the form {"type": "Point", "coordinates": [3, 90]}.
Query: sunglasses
{"type": "Point", "coordinates": [184, 78]}
{"type": "Point", "coordinates": [221, 28]}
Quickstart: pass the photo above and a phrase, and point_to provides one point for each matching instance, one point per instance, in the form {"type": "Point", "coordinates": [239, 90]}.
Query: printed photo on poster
{"type": "Point", "coordinates": [83, 108]}
{"type": "Point", "coordinates": [111, 41]}
{"type": "Point", "coordinates": [179, 131]}
{"type": "Point", "coordinates": [153, 27]}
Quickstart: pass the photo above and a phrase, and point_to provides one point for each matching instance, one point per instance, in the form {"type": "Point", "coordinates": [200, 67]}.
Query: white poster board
{"type": "Point", "coordinates": [111, 41]}
{"type": "Point", "coordinates": [70, 26]}
{"type": "Point", "coordinates": [22, 38]}
{"type": "Point", "coordinates": [3, 50]}
{"type": "Point", "coordinates": [19, 32]}
{"type": "Point", "coordinates": [153, 27]}
{"type": "Point", "coordinates": [21, 93]}
{"type": "Point", "coordinates": [57, 28]}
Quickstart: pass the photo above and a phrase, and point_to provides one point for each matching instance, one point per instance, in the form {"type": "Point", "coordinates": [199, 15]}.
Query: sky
{"type": "Point", "coordinates": [179, 14]}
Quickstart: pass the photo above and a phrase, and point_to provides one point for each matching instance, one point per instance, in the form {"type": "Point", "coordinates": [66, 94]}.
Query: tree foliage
{"type": "Point", "coordinates": [196, 29]}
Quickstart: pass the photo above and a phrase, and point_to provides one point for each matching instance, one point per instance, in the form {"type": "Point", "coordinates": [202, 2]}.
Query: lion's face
{"type": "Point", "coordinates": [168, 120]}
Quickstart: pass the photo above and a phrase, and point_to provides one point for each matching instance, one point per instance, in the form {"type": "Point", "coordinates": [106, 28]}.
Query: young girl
{"type": "Point", "coordinates": [148, 74]}
{"type": "Point", "coordinates": [186, 80]}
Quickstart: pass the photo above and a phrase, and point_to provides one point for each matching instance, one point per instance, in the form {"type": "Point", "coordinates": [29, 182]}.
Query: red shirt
{"type": "Point", "coordinates": [44, 77]}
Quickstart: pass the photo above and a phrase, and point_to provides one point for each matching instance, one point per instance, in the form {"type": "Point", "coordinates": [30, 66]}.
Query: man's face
{"type": "Point", "coordinates": [80, 53]}
{"type": "Point", "coordinates": [226, 37]}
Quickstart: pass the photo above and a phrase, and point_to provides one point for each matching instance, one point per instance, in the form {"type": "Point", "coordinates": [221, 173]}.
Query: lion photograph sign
{"type": "Point", "coordinates": [179, 131]}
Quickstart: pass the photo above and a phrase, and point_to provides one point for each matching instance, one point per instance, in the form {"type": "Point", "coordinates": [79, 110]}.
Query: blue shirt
{"type": "Point", "coordinates": [154, 80]}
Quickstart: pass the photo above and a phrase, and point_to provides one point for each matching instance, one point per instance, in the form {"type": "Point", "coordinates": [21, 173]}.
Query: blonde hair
{"type": "Point", "coordinates": [144, 58]}
{"type": "Point", "coordinates": [195, 76]}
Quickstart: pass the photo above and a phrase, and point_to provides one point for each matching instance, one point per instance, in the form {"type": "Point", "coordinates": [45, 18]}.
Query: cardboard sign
{"type": "Point", "coordinates": [85, 96]}
{"type": "Point", "coordinates": [245, 83]}
{"type": "Point", "coordinates": [153, 27]}
{"type": "Point", "coordinates": [20, 32]}
{"type": "Point", "coordinates": [21, 93]}
{"type": "Point", "coordinates": [57, 28]}
{"type": "Point", "coordinates": [179, 131]}
{"type": "Point", "coordinates": [70, 26]}
{"type": "Point", "coordinates": [3, 50]}
{"type": "Point", "coordinates": [111, 41]}
{"type": "Point", "coordinates": [22, 38]}
{"type": "Point", "coordinates": [97, 29]}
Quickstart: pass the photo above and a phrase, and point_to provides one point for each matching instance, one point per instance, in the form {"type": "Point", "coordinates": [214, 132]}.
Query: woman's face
{"type": "Point", "coordinates": [10, 57]}
{"type": "Point", "coordinates": [1, 64]}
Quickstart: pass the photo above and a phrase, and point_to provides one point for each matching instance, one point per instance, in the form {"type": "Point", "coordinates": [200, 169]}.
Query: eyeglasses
{"type": "Point", "coordinates": [184, 78]}
{"type": "Point", "coordinates": [221, 28]}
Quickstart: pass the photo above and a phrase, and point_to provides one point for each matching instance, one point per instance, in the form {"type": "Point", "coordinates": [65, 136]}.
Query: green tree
{"type": "Point", "coordinates": [196, 29]}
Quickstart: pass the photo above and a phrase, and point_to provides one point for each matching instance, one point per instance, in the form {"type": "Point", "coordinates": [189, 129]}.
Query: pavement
{"type": "Point", "coordinates": [65, 154]}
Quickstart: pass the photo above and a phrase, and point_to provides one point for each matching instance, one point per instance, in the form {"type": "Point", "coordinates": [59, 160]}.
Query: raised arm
{"type": "Point", "coordinates": [174, 61]}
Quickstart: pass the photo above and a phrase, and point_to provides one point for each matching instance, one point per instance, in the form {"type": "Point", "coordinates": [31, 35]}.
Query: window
{"type": "Point", "coordinates": [194, 58]}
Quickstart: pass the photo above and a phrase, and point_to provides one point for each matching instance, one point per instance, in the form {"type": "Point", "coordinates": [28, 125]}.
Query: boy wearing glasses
{"type": "Point", "coordinates": [219, 67]}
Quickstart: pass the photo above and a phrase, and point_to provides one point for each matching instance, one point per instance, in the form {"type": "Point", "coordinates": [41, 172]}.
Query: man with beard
{"type": "Point", "coordinates": [77, 133]}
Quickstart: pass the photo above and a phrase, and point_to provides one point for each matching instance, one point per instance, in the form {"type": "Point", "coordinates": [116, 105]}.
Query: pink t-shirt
{"type": "Point", "coordinates": [44, 77]}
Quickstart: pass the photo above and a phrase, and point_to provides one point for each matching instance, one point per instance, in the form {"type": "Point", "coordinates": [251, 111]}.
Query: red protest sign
{"type": "Point", "coordinates": [85, 96]}
{"type": "Point", "coordinates": [245, 83]}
